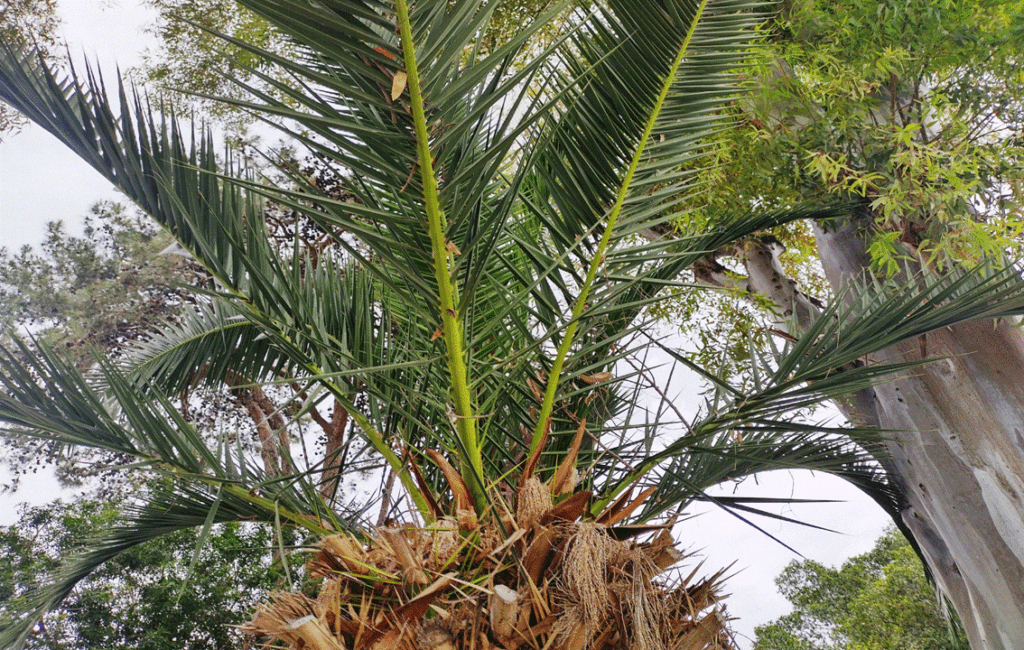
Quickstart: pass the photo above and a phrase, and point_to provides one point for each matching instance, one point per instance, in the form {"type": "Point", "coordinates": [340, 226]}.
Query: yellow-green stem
{"type": "Point", "coordinates": [451, 327]}
{"type": "Point", "coordinates": [598, 506]}
{"type": "Point", "coordinates": [602, 247]}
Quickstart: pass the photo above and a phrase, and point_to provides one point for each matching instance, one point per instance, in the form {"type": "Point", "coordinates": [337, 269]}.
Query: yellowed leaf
{"type": "Point", "coordinates": [398, 84]}
{"type": "Point", "coordinates": [596, 377]}
{"type": "Point", "coordinates": [460, 492]}
{"type": "Point", "coordinates": [535, 390]}
{"type": "Point", "coordinates": [562, 483]}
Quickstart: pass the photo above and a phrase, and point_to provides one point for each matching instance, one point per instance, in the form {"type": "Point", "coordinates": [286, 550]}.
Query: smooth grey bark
{"type": "Point", "coordinates": [765, 277]}
{"type": "Point", "coordinates": [956, 453]}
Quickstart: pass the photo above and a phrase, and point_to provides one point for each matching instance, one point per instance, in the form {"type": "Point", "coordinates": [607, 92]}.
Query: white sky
{"type": "Point", "coordinates": [40, 181]}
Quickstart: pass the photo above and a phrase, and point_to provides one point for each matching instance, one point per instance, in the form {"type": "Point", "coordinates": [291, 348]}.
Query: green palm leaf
{"type": "Point", "coordinates": [744, 432]}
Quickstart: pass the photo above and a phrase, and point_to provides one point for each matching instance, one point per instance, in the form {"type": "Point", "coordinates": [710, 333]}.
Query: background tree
{"type": "Point", "coordinates": [105, 289]}
{"type": "Point", "coordinates": [27, 21]}
{"type": "Point", "coordinates": [880, 600]}
{"type": "Point", "coordinates": [914, 111]}
{"type": "Point", "coordinates": [159, 595]}
{"type": "Point", "coordinates": [191, 62]}
{"type": "Point", "coordinates": [492, 278]}
{"type": "Point", "coordinates": [107, 292]}
{"type": "Point", "coordinates": [102, 291]}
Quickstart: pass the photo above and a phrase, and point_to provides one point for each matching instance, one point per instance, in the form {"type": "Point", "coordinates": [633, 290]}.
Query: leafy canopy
{"type": "Point", "coordinates": [149, 598]}
{"type": "Point", "coordinates": [911, 108]}
{"type": "Point", "coordinates": [880, 600]}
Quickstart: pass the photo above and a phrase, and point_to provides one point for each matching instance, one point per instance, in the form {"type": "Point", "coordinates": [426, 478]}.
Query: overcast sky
{"type": "Point", "coordinates": [40, 181]}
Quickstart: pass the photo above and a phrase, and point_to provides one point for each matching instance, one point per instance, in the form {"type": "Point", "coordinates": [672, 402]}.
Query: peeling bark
{"type": "Point", "coordinates": [277, 425]}
{"type": "Point", "coordinates": [957, 454]}
{"type": "Point", "coordinates": [270, 424]}
{"type": "Point", "coordinates": [794, 310]}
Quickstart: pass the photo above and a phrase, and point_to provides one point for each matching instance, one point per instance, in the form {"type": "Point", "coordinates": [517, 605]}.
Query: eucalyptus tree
{"type": "Point", "coordinates": [917, 119]}
{"type": "Point", "coordinates": [488, 271]}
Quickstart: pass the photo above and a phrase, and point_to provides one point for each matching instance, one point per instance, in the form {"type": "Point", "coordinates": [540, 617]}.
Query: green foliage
{"type": "Point", "coordinates": [148, 598]}
{"type": "Point", "coordinates": [104, 290]}
{"type": "Point", "coordinates": [27, 21]}
{"type": "Point", "coordinates": [915, 115]}
{"type": "Point", "coordinates": [880, 600]}
{"type": "Point", "coordinates": [908, 105]}
{"type": "Point", "coordinates": [192, 64]}
{"type": "Point", "coordinates": [509, 16]}
{"type": "Point", "coordinates": [32, 22]}
{"type": "Point", "coordinates": [914, 108]}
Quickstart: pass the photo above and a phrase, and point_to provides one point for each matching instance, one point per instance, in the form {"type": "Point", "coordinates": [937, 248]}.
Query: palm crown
{"type": "Point", "coordinates": [490, 259]}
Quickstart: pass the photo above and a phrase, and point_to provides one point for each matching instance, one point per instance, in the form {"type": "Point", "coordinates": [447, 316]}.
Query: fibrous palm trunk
{"type": "Point", "coordinates": [542, 578]}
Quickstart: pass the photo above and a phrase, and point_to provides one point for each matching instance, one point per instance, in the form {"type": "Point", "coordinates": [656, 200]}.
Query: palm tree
{"type": "Point", "coordinates": [485, 279]}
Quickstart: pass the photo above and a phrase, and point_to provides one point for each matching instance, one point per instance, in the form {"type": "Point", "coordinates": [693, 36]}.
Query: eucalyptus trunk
{"type": "Point", "coordinates": [955, 443]}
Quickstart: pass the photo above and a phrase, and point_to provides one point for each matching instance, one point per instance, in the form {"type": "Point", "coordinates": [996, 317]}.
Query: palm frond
{"type": "Point", "coordinates": [744, 432]}
{"type": "Point", "coordinates": [625, 54]}
{"type": "Point", "coordinates": [172, 180]}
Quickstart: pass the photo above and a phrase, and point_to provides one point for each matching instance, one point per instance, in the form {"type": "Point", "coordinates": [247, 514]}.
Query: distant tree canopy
{"type": "Point", "coordinates": [103, 289]}
{"type": "Point", "coordinates": [102, 294]}
{"type": "Point", "coordinates": [97, 293]}
{"type": "Point", "coordinates": [880, 600]}
{"type": "Point", "coordinates": [157, 596]}
{"type": "Point", "coordinates": [30, 21]}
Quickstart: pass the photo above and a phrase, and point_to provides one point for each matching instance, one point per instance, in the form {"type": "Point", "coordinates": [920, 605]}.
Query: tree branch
{"type": "Point", "coordinates": [335, 432]}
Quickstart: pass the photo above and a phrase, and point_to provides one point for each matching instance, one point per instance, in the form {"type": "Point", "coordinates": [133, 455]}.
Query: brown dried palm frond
{"type": "Point", "coordinates": [542, 579]}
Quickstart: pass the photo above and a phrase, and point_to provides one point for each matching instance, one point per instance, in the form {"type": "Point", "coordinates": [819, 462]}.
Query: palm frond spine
{"type": "Point", "coordinates": [598, 259]}
{"type": "Point", "coordinates": [443, 254]}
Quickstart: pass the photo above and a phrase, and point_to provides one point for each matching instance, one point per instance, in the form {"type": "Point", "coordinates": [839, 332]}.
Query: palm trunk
{"type": "Point", "coordinates": [956, 452]}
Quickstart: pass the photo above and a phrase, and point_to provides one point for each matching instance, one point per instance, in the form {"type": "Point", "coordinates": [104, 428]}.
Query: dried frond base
{"type": "Point", "coordinates": [553, 583]}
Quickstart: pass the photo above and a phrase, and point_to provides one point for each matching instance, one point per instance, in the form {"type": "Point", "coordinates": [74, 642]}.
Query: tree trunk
{"type": "Point", "coordinates": [956, 452]}
{"type": "Point", "coordinates": [335, 433]}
